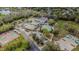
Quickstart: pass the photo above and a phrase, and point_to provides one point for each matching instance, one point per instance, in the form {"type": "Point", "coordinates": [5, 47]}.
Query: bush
{"type": "Point", "coordinates": [56, 32]}
{"type": "Point", "coordinates": [51, 21]}
{"type": "Point", "coordinates": [72, 31]}
{"type": "Point", "coordinates": [51, 47]}
{"type": "Point", "coordinates": [6, 27]}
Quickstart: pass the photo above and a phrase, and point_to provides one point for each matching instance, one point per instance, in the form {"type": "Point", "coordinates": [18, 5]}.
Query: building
{"type": "Point", "coordinates": [40, 37]}
{"type": "Point", "coordinates": [5, 11]}
{"type": "Point", "coordinates": [28, 26]}
{"type": "Point", "coordinates": [37, 21]}
{"type": "Point", "coordinates": [34, 23]}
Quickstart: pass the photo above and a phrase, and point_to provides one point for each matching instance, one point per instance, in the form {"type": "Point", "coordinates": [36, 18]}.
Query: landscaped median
{"type": "Point", "coordinates": [19, 44]}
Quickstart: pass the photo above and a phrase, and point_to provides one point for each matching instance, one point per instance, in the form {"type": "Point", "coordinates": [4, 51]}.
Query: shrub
{"type": "Point", "coordinates": [6, 27]}
{"type": "Point", "coordinates": [51, 46]}
{"type": "Point", "coordinates": [51, 21]}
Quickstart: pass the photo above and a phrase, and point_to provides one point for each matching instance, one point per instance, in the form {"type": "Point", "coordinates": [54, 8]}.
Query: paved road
{"type": "Point", "coordinates": [26, 36]}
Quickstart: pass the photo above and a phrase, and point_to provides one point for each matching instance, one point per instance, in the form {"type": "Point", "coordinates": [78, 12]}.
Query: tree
{"type": "Point", "coordinates": [51, 47]}
{"type": "Point", "coordinates": [46, 32]}
{"type": "Point", "coordinates": [77, 20]}
{"type": "Point", "coordinates": [51, 21]}
{"type": "Point", "coordinates": [71, 31]}
{"type": "Point", "coordinates": [56, 32]}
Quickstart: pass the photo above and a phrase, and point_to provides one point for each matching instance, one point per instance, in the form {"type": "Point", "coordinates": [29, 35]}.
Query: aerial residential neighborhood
{"type": "Point", "coordinates": [39, 29]}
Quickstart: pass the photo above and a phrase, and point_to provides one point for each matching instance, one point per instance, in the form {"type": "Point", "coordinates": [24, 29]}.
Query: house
{"type": "Point", "coordinates": [37, 21]}
{"type": "Point", "coordinates": [28, 26]}
{"type": "Point", "coordinates": [34, 23]}
{"type": "Point", "coordinates": [5, 11]}
{"type": "Point", "coordinates": [40, 37]}
{"type": "Point", "coordinates": [42, 20]}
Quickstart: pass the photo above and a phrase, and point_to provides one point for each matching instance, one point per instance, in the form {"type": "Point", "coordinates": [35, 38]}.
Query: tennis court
{"type": "Point", "coordinates": [69, 42]}
{"type": "Point", "coordinates": [7, 37]}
